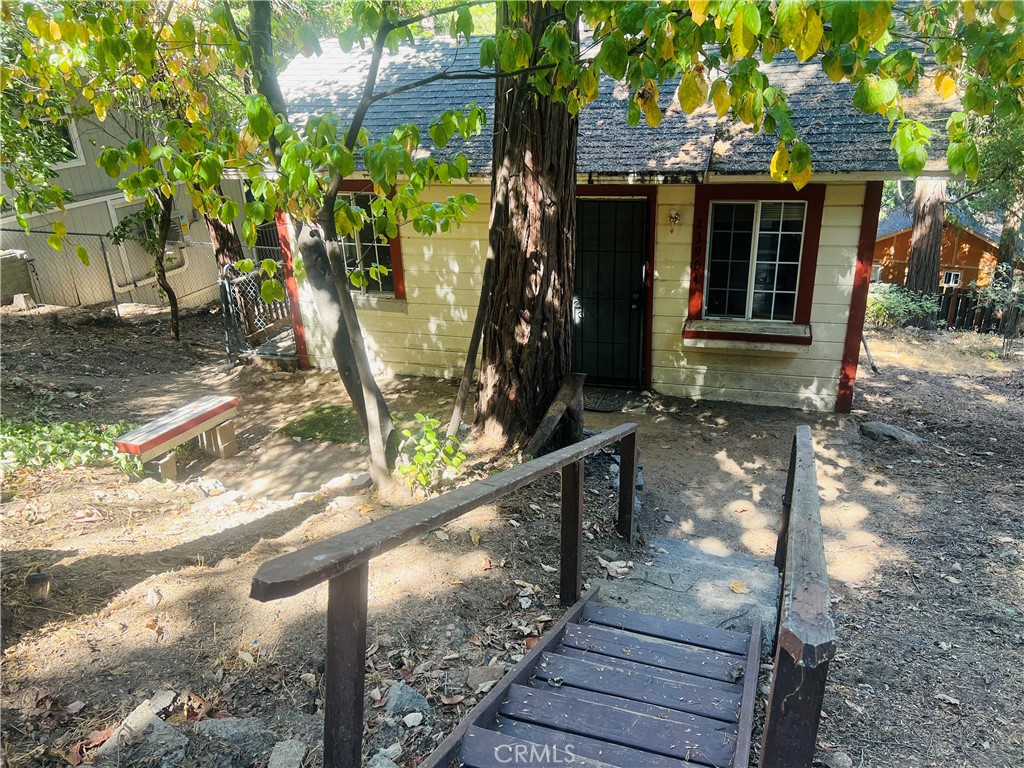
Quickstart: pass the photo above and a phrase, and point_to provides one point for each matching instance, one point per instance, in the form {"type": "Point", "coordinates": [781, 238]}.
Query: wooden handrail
{"type": "Point", "coordinates": [343, 560]}
{"type": "Point", "coordinates": [296, 572]}
{"type": "Point", "coordinates": [805, 638]}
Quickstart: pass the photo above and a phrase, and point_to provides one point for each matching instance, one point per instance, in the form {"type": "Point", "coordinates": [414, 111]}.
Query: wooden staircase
{"type": "Point", "coordinates": [612, 687]}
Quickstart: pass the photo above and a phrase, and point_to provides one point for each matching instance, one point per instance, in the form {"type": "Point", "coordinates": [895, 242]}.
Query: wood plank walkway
{"type": "Point", "coordinates": [616, 688]}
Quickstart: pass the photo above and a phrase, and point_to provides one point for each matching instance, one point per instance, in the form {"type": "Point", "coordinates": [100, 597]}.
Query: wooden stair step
{"type": "Point", "coordinates": [666, 674]}
{"type": "Point", "coordinates": [637, 685]}
{"type": "Point", "coordinates": [655, 653]}
{"type": "Point", "coordinates": [627, 723]}
{"type": "Point", "coordinates": [667, 629]}
{"type": "Point", "coordinates": [590, 749]}
{"type": "Point", "coordinates": [484, 748]}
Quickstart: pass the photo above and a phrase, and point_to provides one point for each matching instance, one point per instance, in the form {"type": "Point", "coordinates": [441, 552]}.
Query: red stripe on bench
{"type": "Point", "coordinates": [128, 446]}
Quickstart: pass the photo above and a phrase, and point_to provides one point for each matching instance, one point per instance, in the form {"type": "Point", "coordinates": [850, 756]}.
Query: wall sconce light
{"type": "Point", "coordinates": [673, 220]}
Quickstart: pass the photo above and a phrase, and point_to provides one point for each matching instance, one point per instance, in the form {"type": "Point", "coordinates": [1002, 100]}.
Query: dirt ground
{"type": "Point", "coordinates": [151, 580]}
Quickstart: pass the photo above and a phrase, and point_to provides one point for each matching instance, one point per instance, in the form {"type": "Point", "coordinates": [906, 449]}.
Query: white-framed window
{"type": "Point", "coordinates": [876, 273]}
{"type": "Point", "coordinates": [754, 260]}
{"type": "Point", "coordinates": [364, 251]}
{"type": "Point", "coordinates": [950, 278]}
{"type": "Point", "coordinates": [67, 132]}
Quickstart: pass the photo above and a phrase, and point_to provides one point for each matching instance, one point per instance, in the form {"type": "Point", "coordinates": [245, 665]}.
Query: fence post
{"type": "Point", "coordinates": [344, 670]}
{"type": "Point", "coordinates": [571, 564]}
{"type": "Point", "coordinates": [627, 487]}
{"type": "Point", "coordinates": [110, 275]}
{"type": "Point", "coordinates": [794, 713]}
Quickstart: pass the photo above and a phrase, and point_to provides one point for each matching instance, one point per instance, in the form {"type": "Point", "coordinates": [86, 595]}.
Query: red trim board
{"type": "Point", "coordinates": [859, 299]}
{"type": "Point", "coordinates": [177, 422]}
{"type": "Point", "coordinates": [292, 288]}
{"type": "Point", "coordinates": [812, 194]}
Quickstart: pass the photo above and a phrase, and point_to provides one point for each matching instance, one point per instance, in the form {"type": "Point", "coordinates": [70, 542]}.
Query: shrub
{"type": "Point", "coordinates": [63, 444]}
{"type": "Point", "coordinates": [428, 454]}
{"type": "Point", "coordinates": [891, 306]}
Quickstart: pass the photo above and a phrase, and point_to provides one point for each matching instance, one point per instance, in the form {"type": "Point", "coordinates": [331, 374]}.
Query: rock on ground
{"type": "Point", "coordinates": [402, 698]}
{"type": "Point", "coordinates": [144, 737]}
{"type": "Point", "coordinates": [882, 432]}
{"type": "Point", "coordinates": [287, 754]}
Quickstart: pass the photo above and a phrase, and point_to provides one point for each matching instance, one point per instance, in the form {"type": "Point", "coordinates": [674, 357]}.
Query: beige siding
{"type": "Point", "coordinates": [804, 377]}
{"type": "Point", "coordinates": [429, 333]}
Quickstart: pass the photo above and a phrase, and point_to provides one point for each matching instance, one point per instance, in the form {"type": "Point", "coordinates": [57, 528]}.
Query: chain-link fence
{"type": "Point", "coordinates": [91, 271]}
{"type": "Point", "coordinates": [249, 320]}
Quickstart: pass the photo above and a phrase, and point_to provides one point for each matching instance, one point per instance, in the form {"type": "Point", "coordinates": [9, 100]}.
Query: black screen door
{"type": "Point", "coordinates": [608, 307]}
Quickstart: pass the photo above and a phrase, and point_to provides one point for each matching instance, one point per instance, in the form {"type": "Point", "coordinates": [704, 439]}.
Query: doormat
{"type": "Point", "coordinates": [609, 400]}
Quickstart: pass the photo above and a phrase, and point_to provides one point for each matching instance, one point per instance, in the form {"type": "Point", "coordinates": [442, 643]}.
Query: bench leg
{"type": "Point", "coordinates": [220, 441]}
{"type": "Point", "coordinates": [164, 468]}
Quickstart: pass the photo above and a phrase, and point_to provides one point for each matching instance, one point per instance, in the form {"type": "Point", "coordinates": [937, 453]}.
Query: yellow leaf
{"type": "Point", "coordinates": [166, 191]}
{"type": "Point", "coordinates": [699, 11]}
{"type": "Point", "coordinates": [474, 536]}
{"type": "Point", "coordinates": [739, 588]}
{"type": "Point", "coordinates": [1002, 14]}
{"type": "Point", "coordinates": [780, 163]}
{"type": "Point", "coordinates": [834, 70]}
{"type": "Point", "coordinates": [809, 42]}
{"type": "Point", "coordinates": [873, 20]}
{"type": "Point", "coordinates": [693, 91]}
{"type": "Point", "coordinates": [101, 110]}
{"type": "Point", "coordinates": [945, 85]}
{"type": "Point", "coordinates": [191, 114]}
{"type": "Point", "coordinates": [800, 178]}
{"type": "Point", "coordinates": [88, 92]}
{"type": "Point", "coordinates": [970, 11]}
{"type": "Point", "coordinates": [721, 98]}
{"type": "Point", "coordinates": [54, 30]}
{"type": "Point", "coordinates": [742, 39]}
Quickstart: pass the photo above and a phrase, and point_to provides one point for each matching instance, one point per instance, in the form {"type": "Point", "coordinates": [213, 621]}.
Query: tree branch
{"type": "Point", "coordinates": [465, 75]}
{"type": "Point", "coordinates": [437, 12]}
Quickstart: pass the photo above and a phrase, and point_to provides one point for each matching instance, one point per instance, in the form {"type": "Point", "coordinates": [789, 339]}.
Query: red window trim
{"type": "Point", "coordinates": [397, 269]}
{"type": "Point", "coordinates": [813, 195]}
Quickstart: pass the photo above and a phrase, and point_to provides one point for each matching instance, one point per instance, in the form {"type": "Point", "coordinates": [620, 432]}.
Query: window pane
{"type": "Point", "coordinates": [764, 277]}
{"type": "Point", "coordinates": [793, 217]}
{"type": "Point", "coordinates": [737, 304]}
{"type": "Point", "coordinates": [716, 302]}
{"type": "Point", "coordinates": [762, 305]}
{"type": "Point", "coordinates": [767, 247]}
{"type": "Point", "coordinates": [738, 272]}
{"type": "Point", "coordinates": [787, 274]}
{"type": "Point", "coordinates": [789, 250]}
{"type": "Point", "coordinates": [771, 217]}
{"type": "Point", "coordinates": [784, 304]}
{"type": "Point", "coordinates": [729, 258]}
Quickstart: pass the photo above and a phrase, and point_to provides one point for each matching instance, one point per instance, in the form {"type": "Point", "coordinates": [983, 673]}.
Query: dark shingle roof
{"type": "Point", "coordinates": [842, 139]}
{"type": "Point", "coordinates": [987, 226]}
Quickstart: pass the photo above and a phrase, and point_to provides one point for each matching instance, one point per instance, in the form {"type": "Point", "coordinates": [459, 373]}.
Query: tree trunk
{"type": "Point", "coordinates": [926, 239]}
{"type": "Point", "coordinates": [326, 271]}
{"type": "Point", "coordinates": [1009, 238]}
{"type": "Point", "coordinates": [163, 230]}
{"type": "Point", "coordinates": [227, 247]}
{"type": "Point", "coordinates": [527, 345]}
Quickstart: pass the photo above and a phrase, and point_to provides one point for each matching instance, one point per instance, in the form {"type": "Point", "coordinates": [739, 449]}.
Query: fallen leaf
{"type": "Point", "coordinates": [514, 523]}
{"type": "Point", "coordinates": [953, 580]}
{"type": "Point", "coordinates": [452, 700]}
{"type": "Point", "coordinates": [947, 699]}
{"type": "Point", "coordinates": [372, 649]}
{"type": "Point", "coordinates": [854, 707]}
{"type": "Point", "coordinates": [616, 569]}
{"type": "Point", "coordinates": [310, 679]}
{"type": "Point", "coordinates": [531, 641]}
{"type": "Point", "coordinates": [74, 707]}
{"type": "Point", "coordinates": [247, 658]}
{"type": "Point", "coordinates": [474, 536]}
{"type": "Point", "coordinates": [548, 568]}
{"type": "Point", "coordinates": [739, 588]}
{"type": "Point", "coordinates": [441, 535]}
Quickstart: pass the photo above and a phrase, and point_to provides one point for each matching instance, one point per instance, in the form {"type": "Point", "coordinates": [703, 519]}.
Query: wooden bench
{"type": "Point", "coordinates": [208, 418]}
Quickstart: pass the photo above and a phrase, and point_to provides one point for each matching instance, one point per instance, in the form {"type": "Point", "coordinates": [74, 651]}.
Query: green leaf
{"type": "Point", "coordinates": [228, 211]}
{"type": "Point", "coordinates": [844, 22]}
{"type": "Point", "coordinates": [875, 92]}
{"type": "Point", "coordinates": [245, 266]}
{"type": "Point", "coordinates": [271, 291]}
{"type": "Point", "coordinates": [268, 266]}
{"type": "Point", "coordinates": [82, 254]}
{"type": "Point", "coordinates": [613, 58]}
{"type": "Point", "coordinates": [912, 160]}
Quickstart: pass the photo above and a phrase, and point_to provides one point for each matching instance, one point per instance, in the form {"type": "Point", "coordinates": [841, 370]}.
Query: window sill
{"type": "Point", "coordinates": [380, 303]}
{"type": "Point", "coordinates": [745, 334]}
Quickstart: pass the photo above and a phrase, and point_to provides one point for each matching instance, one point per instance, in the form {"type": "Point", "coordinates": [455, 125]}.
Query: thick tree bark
{"type": "Point", "coordinates": [326, 271]}
{"type": "Point", "coordinates": [926, 238]}
{"type": "Point", "coordinates": [1009, 238]}
{"type": "Point", "coordinates": [227, 247]}
{"type": "Point", "coordinates": [527, 344]}
{"type": "Point", "coordinates": [163, 230]}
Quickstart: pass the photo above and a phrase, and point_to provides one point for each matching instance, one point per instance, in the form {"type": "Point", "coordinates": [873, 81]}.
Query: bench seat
{"type": "Point", "coordinates": [208, 418]}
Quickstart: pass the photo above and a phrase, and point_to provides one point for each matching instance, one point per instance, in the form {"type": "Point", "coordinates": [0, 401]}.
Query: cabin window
{"type": "Point", "coordinates": [368, 256]}
{"type": "Point", "coordinates": [69, 146]}
{"type": "Point", "coordinates": [754, 259]}
{"type": "Point", "coordinates": [950, 279]}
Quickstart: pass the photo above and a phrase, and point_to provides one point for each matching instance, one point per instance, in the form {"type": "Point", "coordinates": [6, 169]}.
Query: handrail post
{"type": "Point", "coordinates": [345, 668]}
{"type": "Point", "coordinates": [627, 486]}
{"type": "Point", "coordinates": [787, 505]}
{"type": "Point", "coordinates": [793, 714]}
{"type": "Point", "coordinates": [571, 576]}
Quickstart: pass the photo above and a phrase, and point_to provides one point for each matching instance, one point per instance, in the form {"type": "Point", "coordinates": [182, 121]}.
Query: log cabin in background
{"type": "Point", "coordinates": [970, 249]}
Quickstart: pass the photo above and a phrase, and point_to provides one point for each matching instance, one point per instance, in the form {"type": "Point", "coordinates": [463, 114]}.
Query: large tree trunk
{"type": "Point", "coordinates": [326, 272]}
{"type": "Point", "coordinates": [227, 247]}
{"type": "Point", "coordinates": [163, 230]}
{"type": "Point", "coordinates": [527, 345]}
{"type": "Point", "coordinates": [1009, 239]}
{"type": "Point", "coordinates": [926, 239]}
